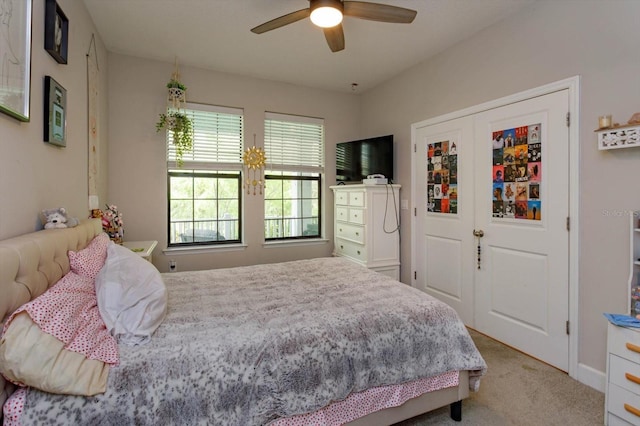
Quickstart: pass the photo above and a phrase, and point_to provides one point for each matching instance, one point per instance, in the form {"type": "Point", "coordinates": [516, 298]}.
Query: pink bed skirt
{"type": "Point", "coordinates": [360, 404]}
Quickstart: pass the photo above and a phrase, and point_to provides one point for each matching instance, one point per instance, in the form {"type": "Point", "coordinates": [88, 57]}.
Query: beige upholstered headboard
{"type": "Point", "coordinates": [31, 263]}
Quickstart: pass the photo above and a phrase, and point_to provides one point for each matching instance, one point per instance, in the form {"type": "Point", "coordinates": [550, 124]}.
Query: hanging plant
{"type": "Point", "coordinates": [182, 131]}
{"type": "Point", "coordinates": [173, 83]}
{"type": "Point", "coordinates": [176, 92]}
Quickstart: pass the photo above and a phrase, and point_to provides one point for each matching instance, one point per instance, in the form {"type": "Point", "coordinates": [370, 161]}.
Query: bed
{"type": "Point", "coordinates": [254, 345]}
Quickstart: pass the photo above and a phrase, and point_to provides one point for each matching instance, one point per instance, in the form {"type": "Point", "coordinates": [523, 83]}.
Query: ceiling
{"type": "Point", "coordinates": [215, 34]}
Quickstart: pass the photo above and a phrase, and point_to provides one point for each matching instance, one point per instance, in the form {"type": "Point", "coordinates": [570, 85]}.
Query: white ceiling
{"type": "Point", "coordinates": [215, 34]}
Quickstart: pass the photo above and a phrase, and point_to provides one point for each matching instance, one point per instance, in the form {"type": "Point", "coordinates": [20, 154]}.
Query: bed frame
{"type": "Point", "coordinates": [31, 263]}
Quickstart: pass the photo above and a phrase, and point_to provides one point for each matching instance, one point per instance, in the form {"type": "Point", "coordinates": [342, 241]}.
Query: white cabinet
{"type": "Point", "coordinates": [622, 398]}
{"type": "Point", "coordinates": [366, 219]}
{"type": "Point", "coordinates": [634, 273]}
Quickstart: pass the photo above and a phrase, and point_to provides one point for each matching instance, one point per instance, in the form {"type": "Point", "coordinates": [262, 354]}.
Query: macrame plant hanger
{"type": "Point", "coordinates": [177, 97]}
{"type": "Point", "coordinates": [254, 160]}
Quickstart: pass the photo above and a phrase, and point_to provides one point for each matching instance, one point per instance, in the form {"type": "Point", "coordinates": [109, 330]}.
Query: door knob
{"type": "Point", "coordinates": [478, 234]}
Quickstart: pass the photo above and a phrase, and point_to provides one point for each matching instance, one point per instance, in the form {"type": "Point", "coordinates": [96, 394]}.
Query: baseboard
{"type": "Point", "coordinates": [592, 377]}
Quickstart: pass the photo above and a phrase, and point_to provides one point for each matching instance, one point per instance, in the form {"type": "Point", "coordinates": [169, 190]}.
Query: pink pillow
{"type": "Point", "coordinates": [88, 261]}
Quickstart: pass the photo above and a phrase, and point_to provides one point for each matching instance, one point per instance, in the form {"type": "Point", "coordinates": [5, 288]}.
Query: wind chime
{"type": "Point", "coordinates": [254, 160]}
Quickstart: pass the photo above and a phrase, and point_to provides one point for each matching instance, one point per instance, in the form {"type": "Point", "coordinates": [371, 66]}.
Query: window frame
{"type": "Point", "coordinates": [318, 178]}
{"type": "Point", "coordinates": [193, 174]}
{"type": "Point", "coordinates": [207, 167]}
{"type": "Point", "coordinates": [278, 166]}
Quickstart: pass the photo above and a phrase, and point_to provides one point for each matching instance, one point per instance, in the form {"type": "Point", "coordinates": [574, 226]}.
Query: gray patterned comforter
{"type": "Point", "coordinates": [247, 345]}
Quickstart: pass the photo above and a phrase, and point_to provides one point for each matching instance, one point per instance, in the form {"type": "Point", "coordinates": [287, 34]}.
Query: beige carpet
{"type": "Point", "coordinates": [519, 390]}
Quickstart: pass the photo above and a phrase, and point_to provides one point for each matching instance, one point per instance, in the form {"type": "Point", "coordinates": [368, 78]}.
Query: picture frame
{"type": "Point", "coordinates": [55, 112]}
{"type": "Point", "coordinates": [56, 32]}
{"type": "Point", "coordinates": [15, 74]}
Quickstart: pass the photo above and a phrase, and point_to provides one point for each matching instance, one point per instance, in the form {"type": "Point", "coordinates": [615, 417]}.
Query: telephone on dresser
{"type": "Point", "coordinates": [375, 179]}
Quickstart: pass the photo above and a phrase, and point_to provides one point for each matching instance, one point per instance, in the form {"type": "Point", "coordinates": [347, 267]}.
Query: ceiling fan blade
{"type": "Point", "coordinates": [282, 21]}
{"type": "Point", "coordinates": [335, 37]}
{"type": "Point", "coordinates": [379, 12]}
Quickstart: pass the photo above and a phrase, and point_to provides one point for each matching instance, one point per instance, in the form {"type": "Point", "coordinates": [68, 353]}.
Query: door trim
{"type": "Point", "coordinates": [571, 84]}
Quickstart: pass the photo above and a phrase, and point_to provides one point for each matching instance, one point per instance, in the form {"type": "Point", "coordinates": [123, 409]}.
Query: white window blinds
{"type": "Point", "coordinates": [294, 143]}
{"type": "Point", "coordinates": [217, 138]}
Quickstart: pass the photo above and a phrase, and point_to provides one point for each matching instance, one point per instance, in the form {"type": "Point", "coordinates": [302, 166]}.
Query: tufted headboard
{"type": "Point", "coordinates": [31, 263]}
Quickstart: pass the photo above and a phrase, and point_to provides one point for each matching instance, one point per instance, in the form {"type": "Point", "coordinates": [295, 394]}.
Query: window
{"type": "Point", "coordinates": [294, 147]}
{"type": "Point", "coordinates": [205, 193]}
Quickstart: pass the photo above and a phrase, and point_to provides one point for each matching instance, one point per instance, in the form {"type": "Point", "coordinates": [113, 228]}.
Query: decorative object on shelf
{"type": "Point", "coordinates": [604, 121]}
{"type": "Point", "coordinates": [176, 120]}
{"type": "Point", "coordinates": [635, 119]}
{"type": "Point", "coordinates": [56, 32]}
{"type": "Point", "coordinates": [55, 118]}
{"type": "Point", "coordinates": [15, 73]}
{"type": "Point", "coordinates": [112, 222]}
{"type": "Point", "coordinates": [254, 160]}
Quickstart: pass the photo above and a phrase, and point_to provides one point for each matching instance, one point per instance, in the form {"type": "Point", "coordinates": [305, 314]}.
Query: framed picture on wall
{"type": "Point", "coordinates": [15, 58]}
{"type": "Point", "coordinates": [55, 112]}
{"type": "Point", "coordinates": [56, 31]}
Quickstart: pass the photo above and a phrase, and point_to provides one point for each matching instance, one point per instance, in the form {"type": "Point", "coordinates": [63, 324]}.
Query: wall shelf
{"type": "Point", "coordinates": [627, 136]}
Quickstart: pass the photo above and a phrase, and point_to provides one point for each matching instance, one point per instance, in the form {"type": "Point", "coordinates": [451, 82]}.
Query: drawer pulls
{"type": "Point", "coordinates": [632, 378]}
{"type": "Point", "coordinates": [632, 347]}
{"type": "Point", "coordinates": [633, 410]}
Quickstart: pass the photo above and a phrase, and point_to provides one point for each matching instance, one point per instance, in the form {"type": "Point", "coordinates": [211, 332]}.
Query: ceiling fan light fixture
{"type": "Point", "coordinates": [326, 13]}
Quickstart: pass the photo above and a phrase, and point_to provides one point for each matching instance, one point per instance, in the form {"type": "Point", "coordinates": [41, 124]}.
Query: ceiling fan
{"type": "Point", "coordinates": [328, 14]}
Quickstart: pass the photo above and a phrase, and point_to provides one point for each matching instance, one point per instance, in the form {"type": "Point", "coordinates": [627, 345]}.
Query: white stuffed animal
{"type": "Point", "coordinates": [57, 218]}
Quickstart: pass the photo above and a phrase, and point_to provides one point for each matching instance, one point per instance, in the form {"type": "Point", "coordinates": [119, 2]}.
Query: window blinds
{"type": "Point", "coordinates": [294, 143]}
{"type": "Point", "coordinates": [217, 138]}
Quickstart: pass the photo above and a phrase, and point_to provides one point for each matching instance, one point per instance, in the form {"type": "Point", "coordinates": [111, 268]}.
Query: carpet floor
{"type": "Point", "coordinates": [520, 390]}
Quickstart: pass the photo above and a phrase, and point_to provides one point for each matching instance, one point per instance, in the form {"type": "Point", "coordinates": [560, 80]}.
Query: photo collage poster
{"type": "Point", "coordinates": [517, 173]}
{"type": "Point", "coordinates": [442, 177]}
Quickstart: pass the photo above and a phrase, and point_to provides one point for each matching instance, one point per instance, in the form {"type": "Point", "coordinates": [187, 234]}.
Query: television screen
{"type": "Point", "coordinates": [358, 159]}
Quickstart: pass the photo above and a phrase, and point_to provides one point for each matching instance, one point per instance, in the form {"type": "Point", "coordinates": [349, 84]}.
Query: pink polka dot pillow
{"type": "Point", "coordinates": [58, 342]}
{"type": "Point", "coordinates": [88, 261]}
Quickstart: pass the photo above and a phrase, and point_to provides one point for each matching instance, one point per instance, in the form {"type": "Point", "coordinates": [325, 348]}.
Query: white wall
{"type": "Point", "coordinates": [547, 42]}
{"type": "Point", "coordinates": [35, 175]}
{"type": "Point", "coordinates": [137, 165]}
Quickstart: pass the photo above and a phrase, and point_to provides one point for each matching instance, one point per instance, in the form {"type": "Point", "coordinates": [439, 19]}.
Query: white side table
{"type": "Point", "coordinates": [143, 248]}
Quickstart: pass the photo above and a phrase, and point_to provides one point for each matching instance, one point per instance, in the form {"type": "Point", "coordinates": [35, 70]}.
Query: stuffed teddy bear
{"type": "Point", "coordinates": [57, 218]}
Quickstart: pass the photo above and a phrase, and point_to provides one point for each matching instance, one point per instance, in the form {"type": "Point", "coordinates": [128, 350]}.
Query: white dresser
{"type": "Point", "coordinates": [366, 226]}
{"type": "Point", "coordinates": [622, 398]}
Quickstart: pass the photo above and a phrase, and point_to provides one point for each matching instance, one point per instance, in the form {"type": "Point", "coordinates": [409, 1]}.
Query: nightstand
{"type": "Point", "coordinates": [143, 248]}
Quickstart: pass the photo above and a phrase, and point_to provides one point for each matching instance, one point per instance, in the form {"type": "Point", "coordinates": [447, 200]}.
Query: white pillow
{"type": "Point", "coordinates": [132, 297]}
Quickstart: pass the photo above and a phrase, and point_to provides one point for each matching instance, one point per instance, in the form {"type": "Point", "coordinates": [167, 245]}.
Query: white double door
{"type": "Point", "coordinates": [491, 231]}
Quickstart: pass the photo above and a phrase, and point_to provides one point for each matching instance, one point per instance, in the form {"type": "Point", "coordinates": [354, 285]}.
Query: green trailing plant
{"type": "Point", "coordinates": [173, 83]}
{"type": "Point", "coordinates": [181, 129]}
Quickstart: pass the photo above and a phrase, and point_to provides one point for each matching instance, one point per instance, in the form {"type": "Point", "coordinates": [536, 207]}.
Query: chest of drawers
{"type": "Point", "coordinates": [622, 398]}
{"type": "Point", "coordinates": [366, 226]}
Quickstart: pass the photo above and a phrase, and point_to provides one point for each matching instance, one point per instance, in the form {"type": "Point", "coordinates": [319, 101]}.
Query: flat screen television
{"type": "Point", "coordinates": [356, 160]}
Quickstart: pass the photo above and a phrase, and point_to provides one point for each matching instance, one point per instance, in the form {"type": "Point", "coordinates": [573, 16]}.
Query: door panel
{"type": "Point", "coordinates": [522, 284]}
{"type": "Point", "coordinates": [445, 205]}
{"type": "Point", "coordinates": [444, 251]}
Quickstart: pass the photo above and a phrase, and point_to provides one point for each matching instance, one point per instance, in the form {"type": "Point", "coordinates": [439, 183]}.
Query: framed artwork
{"type": "Point", "coordinates": [55, 116]}
{"type": "Point", "coordinates": [15, 60]}
{"type": "Point", "coordinates": [56, 32]}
